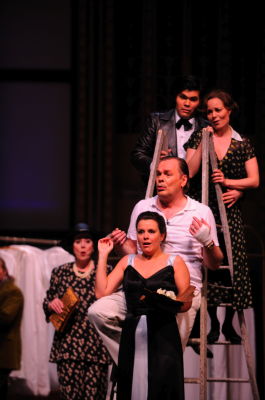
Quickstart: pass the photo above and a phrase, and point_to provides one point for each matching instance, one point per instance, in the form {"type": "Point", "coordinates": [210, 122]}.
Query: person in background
{"type": "Point", "coordinates": [237, 171]}
{"type": "Point", "coordinates": [82, 360]}
{"type": "Point", "coordinates": [11, 309]}
{"type": "Point", "coordinates": [178, 123]}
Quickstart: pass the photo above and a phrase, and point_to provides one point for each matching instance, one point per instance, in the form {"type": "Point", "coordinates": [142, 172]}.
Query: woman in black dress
{"type": "Point", "coordinates": [82, 360]}
{"type": "Point", "coordinates": [150, 357]}
{"type": "Point", "coordinates": [237, 171]}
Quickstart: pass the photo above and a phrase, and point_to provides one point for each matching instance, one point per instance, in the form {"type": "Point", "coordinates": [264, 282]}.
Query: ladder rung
{"type": "Point", "coordinates": [197, 380]}
{"type": "Point", "coordinates": [223, 342]}
{"type": "Point", "coordinates": [220, 305]}
{"type": "Point", "coordinates": [220, 286]}
{"type": "Point", "coordinates": [226, 342]}
{"type": "Point", "coordinates": [194, 340]}
{"type": "Point", "coordinates": [228, 380]}
{"type": "Point", "coordinates": [192, 380]}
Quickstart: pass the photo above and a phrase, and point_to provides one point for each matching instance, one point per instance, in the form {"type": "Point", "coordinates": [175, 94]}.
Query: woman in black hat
{"type": "Point", "coordinates": [82, 360]}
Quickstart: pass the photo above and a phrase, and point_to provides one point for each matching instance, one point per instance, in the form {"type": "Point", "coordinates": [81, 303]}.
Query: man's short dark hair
{"type": "Point", "coordinates": [187, 82]}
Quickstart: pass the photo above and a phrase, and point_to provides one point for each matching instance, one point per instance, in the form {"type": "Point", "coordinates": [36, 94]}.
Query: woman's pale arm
{"type": "Point", "coordinates": [107, 284]}
{"type": "Point", "coordinates": [193, 159]}
{"type": "Point", "coordinates": [182, 280]}
{"type": "Point", "coordinates": [194, 156]}
{"type": "Point", "coordinates": [250, 182]}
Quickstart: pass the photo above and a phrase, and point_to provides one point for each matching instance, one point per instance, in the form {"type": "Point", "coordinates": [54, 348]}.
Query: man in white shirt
{"type": "Point", "coordinates": [191, 233]}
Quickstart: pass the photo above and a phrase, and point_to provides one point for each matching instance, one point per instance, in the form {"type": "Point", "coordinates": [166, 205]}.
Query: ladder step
{"type": "Point", "coordinates": [220, 286]}
{"type": "Point", "coordinates": [194, 340]}
{"type": "Point", "coordinates": [220, 305]}
{"type": "Point", "coordinates": [192, 380]}
{"type": "Point", "coordinates": [220, 342]}
{"type": "Point", "coordinates": [226, 342]}
{"type": "Point", "coordinates": [197, 380]}
{"type": "Point", "coordinates": [228, 380]}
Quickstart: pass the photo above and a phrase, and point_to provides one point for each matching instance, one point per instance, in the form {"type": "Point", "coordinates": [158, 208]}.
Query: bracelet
{"type": "Point", "coordinates": [210, 245]}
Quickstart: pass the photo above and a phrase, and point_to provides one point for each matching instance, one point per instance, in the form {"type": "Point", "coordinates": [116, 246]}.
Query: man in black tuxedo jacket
{"type": "Point", "coordinates": [178, 123]}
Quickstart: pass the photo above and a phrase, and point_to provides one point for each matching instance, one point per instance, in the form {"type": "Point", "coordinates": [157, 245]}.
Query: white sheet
{"type": "Point", "coordinates": [32, 268]}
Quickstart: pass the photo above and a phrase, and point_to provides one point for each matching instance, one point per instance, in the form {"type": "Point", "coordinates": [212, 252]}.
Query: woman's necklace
{"type": "Point", "coordinates": [86, 272]}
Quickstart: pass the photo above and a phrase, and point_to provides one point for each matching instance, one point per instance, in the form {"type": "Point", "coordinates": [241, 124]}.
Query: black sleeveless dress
{"type": "Point", "coordinates": [165, 359]}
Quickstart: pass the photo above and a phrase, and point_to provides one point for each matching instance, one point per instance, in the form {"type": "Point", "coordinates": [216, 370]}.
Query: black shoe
{"type": "Point", "coordinates": [196, 348]}
{"type": "Point", "coordinates": [213, 335]}
{"type": "Point", "coordinates": [231, 335]}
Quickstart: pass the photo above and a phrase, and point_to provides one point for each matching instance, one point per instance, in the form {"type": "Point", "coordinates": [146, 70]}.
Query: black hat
{"type": "Point", "coordinates": [81, 230]}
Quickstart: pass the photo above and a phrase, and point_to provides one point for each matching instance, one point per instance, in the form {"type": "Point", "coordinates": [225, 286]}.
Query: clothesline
{"type": "Point", "coordinates": [14, 239]}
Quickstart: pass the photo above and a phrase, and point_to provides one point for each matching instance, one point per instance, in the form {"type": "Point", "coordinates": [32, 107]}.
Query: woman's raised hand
{"type": "Point", "coordinates": [105, 245]}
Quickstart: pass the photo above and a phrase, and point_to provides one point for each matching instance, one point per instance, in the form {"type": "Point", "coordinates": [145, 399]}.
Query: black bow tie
{"type": "Point", "coordinates": [185, 122]}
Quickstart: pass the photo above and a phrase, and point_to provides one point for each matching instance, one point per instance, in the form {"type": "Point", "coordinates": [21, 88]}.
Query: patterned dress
{"type": "Point", "coordinates": [82, 360]}
{"type": "Point", "coordinates": [233, 167]}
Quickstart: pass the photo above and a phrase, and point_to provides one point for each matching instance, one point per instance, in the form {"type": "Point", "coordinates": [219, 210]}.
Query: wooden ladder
{"type": "Point", "coordinates": [208, 155]}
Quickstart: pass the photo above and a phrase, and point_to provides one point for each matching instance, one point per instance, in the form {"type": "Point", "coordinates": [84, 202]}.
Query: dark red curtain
{"type": "Point", "coordinates": [128, 57]}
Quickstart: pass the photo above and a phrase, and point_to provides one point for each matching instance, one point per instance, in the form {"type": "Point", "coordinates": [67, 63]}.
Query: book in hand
{"type": "Point", "coordinates": [70, 301]}
{"type": "Point", "coordinates": [166, 300]}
